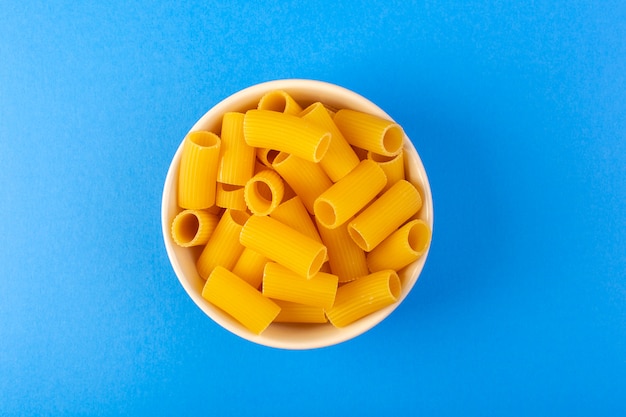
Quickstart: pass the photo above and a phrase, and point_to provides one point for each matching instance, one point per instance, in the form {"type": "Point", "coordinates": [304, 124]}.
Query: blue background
{"type": "Point", "coordinates": [518, 110]}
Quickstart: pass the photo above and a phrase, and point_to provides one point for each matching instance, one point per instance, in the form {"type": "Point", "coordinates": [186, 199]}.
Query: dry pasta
{"type": "Point", "coordinates": [347, 196]}
{"type": "Point", "coordinates": [193, 227]}
{"type": "Point", "coordinates": [299, 313]}
{"type": "Point", "coordinates": [385, 215]}
{"type": "Point", "coordinates": [364, 296]}
{"type": "Point", "coordinates": [347, 260]}
{"type": "Point", "coordinates": [284, 245]}
{"type": "Point", "coordinates": [240, 300]}
{"type": "Point", "coordinates": [402, 247]}
{"type": "Point", "coordinates": [273, 130]}
{"type": "Point", "coordinates": [280, 101]}
{"type": "Point", "coordinates": [223, 247]}
{"type": "Point", "coordinates": [293, 213]}
{"type": "Point", "coordinates": [307, 179]}
{"type": "Point", "coordinates": [198, 170]}
{"type": "Point", "coordinates": [264, 192]}
{"type": "Point", "coordinates": [301, 213]}
{"type": "Point", "coordinates": [370, 132]}
{"type": "Point", "coordinates": [281, 283]}
{"type": "Point", "coordinates": [392, 165]}
{"type": "Point", "coordinates": [340, 158]}
{"type": "Point", "coordinates": [249, 267]}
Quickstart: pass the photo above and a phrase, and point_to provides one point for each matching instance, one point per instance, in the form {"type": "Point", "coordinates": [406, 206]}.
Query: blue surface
{"type": "Point", "coordinates": [517, 110]}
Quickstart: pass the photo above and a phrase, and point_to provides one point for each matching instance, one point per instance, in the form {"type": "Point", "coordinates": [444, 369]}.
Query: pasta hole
{"type": "Point", "coordinates": [418, 237]}
{"type": "Point", "coordinates": [318, 261]}
{"type": "Point", "coordinates": [229, 187]}
{"type": "Point", "coordinates": [204, 139]}
{"type": "Point", "coordinates": [187, 227]}
{"type": "Point", "coordinates": [322, 147]}
{"type": "Point", "coordinates": [325, 212]}
{"type": "Point", "coordinates": [264, 195]}
{"type": "Point", "coordinates": [357, 238]}
{"type": "Point", "coordinates": [273, 101]}
{"type": "Point", "coordinates": [280, 157]}
{"type": "Point", "coordinates": [395, 288]}
{"type": "Point", "coordinates": [381, 158]}
{"type": "Point", "coordinates": [393, 139]}
{"type": "Point", "coordinates": [271, 156]}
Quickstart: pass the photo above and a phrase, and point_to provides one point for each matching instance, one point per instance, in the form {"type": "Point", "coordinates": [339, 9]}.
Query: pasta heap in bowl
{"type": "Point", "coordinates": [297, 214]}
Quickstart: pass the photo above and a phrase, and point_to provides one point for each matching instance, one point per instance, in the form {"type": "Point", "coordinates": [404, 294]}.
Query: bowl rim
{"type": "Point", "coordinates": [324, 92]}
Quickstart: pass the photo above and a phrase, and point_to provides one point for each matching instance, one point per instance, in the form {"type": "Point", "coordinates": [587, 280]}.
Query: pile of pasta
{"type": "Point", "coordinates": [304, 214]}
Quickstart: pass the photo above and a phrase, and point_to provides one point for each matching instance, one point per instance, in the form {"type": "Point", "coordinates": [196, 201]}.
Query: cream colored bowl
{"type": "Point", "coordinates": [288, 336]}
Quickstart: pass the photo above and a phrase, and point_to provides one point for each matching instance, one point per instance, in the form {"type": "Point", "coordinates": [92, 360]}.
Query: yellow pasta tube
{"type": "Point", "coordinates": [249, 267]}
{"type": "Point", "coordinates": [347, 260]}
{"type": "Point", "coordinates": [402, 247]}
{"type": "Point", "coordinates": [281, 283]}
{"type": "Point", "coordinates": [385, 215]}
{"type": "Point", "coordinates": [239, 299]}
{"type": "Point", "coordinates": [350, 194]}
{"type": "Point", "coordinates": [370, 132]}
{"type": "Point", "coordinates": [299, 313]}
{"type": "Point", "coordinates": [236, 164]}
{"type": "Point", "coordinates": [223, 247]}
{"type": "Point", "coordinates": [364, 296]}
{"type": "Point", "coordinates": [193, 227]}
{"type": "Point", "coordinates": [287, 133]}
{"type": "Point", "coordinates": [198, 170]}
{"type": "Point", "coordinates": [264, 192]}
{"type": "Point", "coordinates": [293, 213]}
{"type": "Point", "coordinates": [392, 165]}
{"type": "Point", "coordinates": [280, 101]}
{"type": "Point", "coordinates": [307, 179]}
{"type": "Point", "coordinates": [340, 158]}
{"type": "Point", "coordinates": [283, 244]}
{"type": "Point", "coordinates": [230, 197]}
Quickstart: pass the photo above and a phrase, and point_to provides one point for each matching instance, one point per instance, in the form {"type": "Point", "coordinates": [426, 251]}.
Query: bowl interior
{"type": "Point", "coordinates": [279, 335]}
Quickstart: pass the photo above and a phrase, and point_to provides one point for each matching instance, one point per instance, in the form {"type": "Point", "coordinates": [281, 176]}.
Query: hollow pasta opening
{"type": "Point", "coordinates": [358, 238]}
{"type": "Point", "coordinates": [229, 187]}
{"type": "Point", "coordinates": [395, 287]}
{"type": "Point", "coordinates": [393, 139]}
{"type": "Point", "coordinates": [274, 101]}
{"type": "Point", "coordinates": [322, 147]}
{"type": "Point", "coordinates": [263, 196]}
{"type": "Point", "coordinates": [418, 237]}
{"type": "Point", "coordinates": [187, 227]}
{"type": "Point", "coordinates": [325, 212]}
{"type": "Point", "coordinates": [319, 259]}
{"type": "Point", "coordinates": [204, 139]}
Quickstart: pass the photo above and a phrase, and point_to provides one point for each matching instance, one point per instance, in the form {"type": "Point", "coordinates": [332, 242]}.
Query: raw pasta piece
{"type": "Point", "coordinates": [293, 213]}
{"type": "Point", "coordinates": [193, 227]}
{"type": "Point", "coordinates": [281, 283]}
{"type": "Point", "coordinates": [392, 165]}
{"type": "Point", "coordinates": [350, 194]}
{"type": "Point", "coordinates": [264, 192]}
{"type": "Point", "coordinates": [280, 101]}
{"type": "Point", "coordinates": [236, 164]}
{"type": "Point", "coordinates": [299, 313]}
{"type": "Point", "coordinates": [223, 247]}
{"type": "Point", "coordinates": [402, 247]}
{"type": "Point", "coordinates": [385, 215]}
{"type": "Point", "coordinates": [287, 133]}
{"type": "Point", "coordinates": [239, 299]}
{"type": "Point", "coordinates": [249, 267]}
{"type": "Point", "coordinates": [307, 179]}
{"type": "Point", "coordinates": [347, 260]}
{"type": "Point", "coordinates": [340, 158]}
{"type": "Point", "coordinates": [230, 197]}
{"type": "Point", "coordinates": [283, 244]}
{"type": "Point", "coordinates": [198, 170]}
{"type": "Point", "coordinates": [370, 132]}
{"type": "Point", "coordinates": [364, 296]}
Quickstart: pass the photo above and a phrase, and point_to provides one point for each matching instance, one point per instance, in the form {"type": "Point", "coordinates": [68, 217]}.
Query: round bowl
{"type": "Point", "coordinates": [279, 335]}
